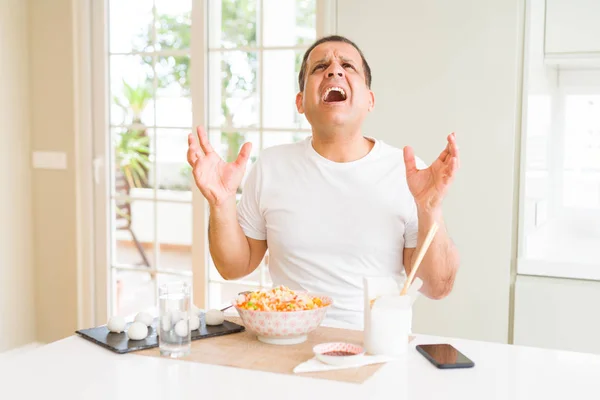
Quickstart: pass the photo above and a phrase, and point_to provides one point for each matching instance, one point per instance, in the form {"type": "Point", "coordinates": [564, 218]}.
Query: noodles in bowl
{"type": "Point", "coordinates": [281, 315]}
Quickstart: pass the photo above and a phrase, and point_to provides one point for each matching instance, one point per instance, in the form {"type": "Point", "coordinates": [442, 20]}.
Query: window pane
{"type": "Point", "coordinates": [581, 174]}
{"type": "Point", "coordinates": [233, 89]}
{"type": "Point", "coordinates": [562, 187]}
{"type": "Point", "coordinates": [222, 294]}
{"type": "Point", "coordinates": [133, 230]}
{"type": "Point", "coordinates": [172, 278]}
{"type": "Point", "coordinates": [133, 159]}
{"type": "Point", "coordinates": [537, 180]}
{"type": "Point", "coordinates": [289, 22]}
{"type": "Point", "coordinates": [237, 25]}
{"type": "Point", "coordinates": [173, 101]}
{"type": "Point", "coordinates": [133, 291]}
{"type": "Point", "coordinates": [173, 170]}
{"type": "Point", "coordinates": [281, 68]}
{"type": "Point", "coordinates": [228, 145]}
{"type": "Point", "coordinates": [131, 90]}
{"type": "Point", "coordinates": [175, 231]}
{"type": "Point", "coordinates": [539, 124]}
{"type": "Point", "coordinates": [130, 25]}
{"type": "Point", "coordinates": [173, 24]}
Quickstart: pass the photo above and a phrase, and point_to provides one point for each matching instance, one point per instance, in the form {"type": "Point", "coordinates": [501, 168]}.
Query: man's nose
{"type": "Point", "coordinates": [335, 70]}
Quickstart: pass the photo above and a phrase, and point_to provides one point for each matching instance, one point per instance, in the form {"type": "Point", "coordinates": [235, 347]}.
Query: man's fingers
{"type": "Point", "coordinates": [193, 152]}
{"type": "Point", "coordinates": [204, 143]}
{"type": "Point", "coordinates": [450, 152]}
{"type": "Point", "coordinates": [444, 154]}
{"type": "Point", "coordinates": [452, 146]}
{"type": "Point", "coordinates": [409, 160]}
{"type": "Point", "coordinates": [453, 155]}
{"type": "Point", "coordinates": [191, 157]}
{"type": "Point", "coordinates": [451, 169]}
{"type": "Point", "coordinates": [244, 155]}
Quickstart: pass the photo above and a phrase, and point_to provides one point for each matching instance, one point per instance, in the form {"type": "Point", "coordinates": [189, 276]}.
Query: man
{"type": "Point", "coordinates": [336, 207]}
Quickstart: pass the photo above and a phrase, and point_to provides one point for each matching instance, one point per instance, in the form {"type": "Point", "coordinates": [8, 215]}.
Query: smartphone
{"type": "Point", "coordinates": [444, 356]}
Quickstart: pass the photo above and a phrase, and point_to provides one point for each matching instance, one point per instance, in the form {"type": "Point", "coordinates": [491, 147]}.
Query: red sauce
{"type": "Point", "coordinates": [339, 353]}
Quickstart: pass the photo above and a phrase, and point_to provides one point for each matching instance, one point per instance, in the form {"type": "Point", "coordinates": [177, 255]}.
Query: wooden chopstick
{"type": "Point", "coordinates": [420, 255]}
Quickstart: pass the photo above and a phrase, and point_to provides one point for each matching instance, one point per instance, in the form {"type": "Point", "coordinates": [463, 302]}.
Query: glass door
{"type": "Point", "coordinates": [143, 65]}
{"type": "Point", "coordinates": [255, 48]}
{"type": "Point", "coordinates": [161, 67]}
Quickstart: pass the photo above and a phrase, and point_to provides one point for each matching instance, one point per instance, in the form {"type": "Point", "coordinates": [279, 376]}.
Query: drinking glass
{"type": "Point", "coordinates": [174, 335]}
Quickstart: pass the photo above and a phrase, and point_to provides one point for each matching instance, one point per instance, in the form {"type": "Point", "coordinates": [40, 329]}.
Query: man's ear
{"type": "Point", "coordinates": [371, 100]}
{"type": "Point", "coordinates": [299, 105]}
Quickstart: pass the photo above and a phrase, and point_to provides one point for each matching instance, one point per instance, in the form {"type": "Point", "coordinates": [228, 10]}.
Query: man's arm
{"type": "Point", "coordinates": [440, 264]}
{"type": "Point", "coordinates": [428, 187]}
{"type": "Point", "coordinates": [234, 254]}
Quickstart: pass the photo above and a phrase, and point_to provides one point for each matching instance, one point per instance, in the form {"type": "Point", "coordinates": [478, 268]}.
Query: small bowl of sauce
{"type": "Point", "coordinates": [338, 353]}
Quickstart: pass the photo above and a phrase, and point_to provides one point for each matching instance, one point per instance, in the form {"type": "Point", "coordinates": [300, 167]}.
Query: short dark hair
{"type": "Point", "coordinates": [332, 38]}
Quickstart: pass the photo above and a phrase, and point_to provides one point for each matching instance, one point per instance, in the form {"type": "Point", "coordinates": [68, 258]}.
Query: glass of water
{"type": "Point", "coordinates": [174, 335]}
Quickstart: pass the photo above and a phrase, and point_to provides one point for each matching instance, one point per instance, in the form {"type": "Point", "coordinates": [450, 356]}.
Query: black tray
{"type": "Point", "coordinates": [120, 342]}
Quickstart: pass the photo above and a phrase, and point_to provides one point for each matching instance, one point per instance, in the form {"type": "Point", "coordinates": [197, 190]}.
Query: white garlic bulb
{"type": "Point", "coordinates": [137, 331]}
{"type": "Point", "coordinates": [177, 316]}
{"type": "Point", "coordinates": [144, 318]}
{"type": "Point", "coordinates": [181, 328]}
{"type": "Point", "coordinates": [116, 324]}
{"type": "Point", "coordinates": [214, 317]}
{"type": "Point", "coordinates": [194, 322]}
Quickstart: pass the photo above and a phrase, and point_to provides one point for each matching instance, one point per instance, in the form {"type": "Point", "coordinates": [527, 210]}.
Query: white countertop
{"type": "Point", "coordinates": [75, 368]}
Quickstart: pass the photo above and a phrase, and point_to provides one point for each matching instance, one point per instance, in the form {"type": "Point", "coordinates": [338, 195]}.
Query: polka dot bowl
{"type": "Point", "coordinates": [283, 327]}
{"type": "Point", "coordinates": [338, 353]}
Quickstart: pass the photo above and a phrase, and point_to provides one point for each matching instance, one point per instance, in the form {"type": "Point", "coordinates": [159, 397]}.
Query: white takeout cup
{"type": "Point", "coordinates": [388, 321]}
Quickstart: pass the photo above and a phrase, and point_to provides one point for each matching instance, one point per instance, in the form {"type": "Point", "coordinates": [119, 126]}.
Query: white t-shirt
{"type": "Point", "coordinates": [329, 224]}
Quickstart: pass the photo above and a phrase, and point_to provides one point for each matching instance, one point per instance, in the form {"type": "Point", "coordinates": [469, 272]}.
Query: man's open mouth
{"type": "Point", "coordinates": [334, 94]}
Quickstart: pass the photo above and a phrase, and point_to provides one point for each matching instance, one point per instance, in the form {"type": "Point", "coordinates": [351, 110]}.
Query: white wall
{"type": "Point", "coordinates": [572, 26]}
{"type": "Point", "coordinates": [557, 314]}
{"type": "Point", "coordinates": [16, 263]}
{"type": "Point", "coordinates": [441, 66]}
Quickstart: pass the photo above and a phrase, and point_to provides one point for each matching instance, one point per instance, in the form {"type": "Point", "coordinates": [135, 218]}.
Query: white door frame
{"type": "Point", "coordinates": [86, 299]}
{"type": "Point", "coordinates": [199, 77]}
{"type": "Point", "coordinates": [100, 89]}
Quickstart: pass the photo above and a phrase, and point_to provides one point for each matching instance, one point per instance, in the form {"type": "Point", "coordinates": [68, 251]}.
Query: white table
{"type": "Point", "coordinates": [74, 368]}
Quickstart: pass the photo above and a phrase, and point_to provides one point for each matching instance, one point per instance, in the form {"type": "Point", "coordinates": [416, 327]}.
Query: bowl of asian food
{"type": "Point", "coordinates": [281, 315]}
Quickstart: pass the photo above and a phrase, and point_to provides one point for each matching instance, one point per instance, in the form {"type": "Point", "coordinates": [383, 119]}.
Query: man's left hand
{"type": "Point", "coordinates": [429, 186]}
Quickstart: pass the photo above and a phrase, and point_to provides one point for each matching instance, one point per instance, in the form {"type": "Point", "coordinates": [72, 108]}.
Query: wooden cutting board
{"type": "Point", "coordinates": [120, 343]}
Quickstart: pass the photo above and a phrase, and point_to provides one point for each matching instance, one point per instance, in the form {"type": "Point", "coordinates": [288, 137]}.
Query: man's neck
{"type": "Point", "coordinates": [339, 147]}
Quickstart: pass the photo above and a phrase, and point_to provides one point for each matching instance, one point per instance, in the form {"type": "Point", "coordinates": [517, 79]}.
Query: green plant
{"type": "Point", "coordinates": [135, 99]}
{"type": "Point", "coordinates": [132, 148]}
{"type": "Point", "coordinates": [132, 151]}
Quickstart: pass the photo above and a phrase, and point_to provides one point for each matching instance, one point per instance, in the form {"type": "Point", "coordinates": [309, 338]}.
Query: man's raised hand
{"type": "Point", "coordinates": [429, 186]}
{"type": "Point", "coordinates": [217, 180]}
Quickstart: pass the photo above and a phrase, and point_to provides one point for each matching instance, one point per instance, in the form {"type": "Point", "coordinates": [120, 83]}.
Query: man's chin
{"type": "Point", "coordinates": [332, 118]}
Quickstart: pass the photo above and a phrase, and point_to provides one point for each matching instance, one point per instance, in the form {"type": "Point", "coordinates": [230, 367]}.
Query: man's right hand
{"type": "Point", "coordinates": [217, 180]}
